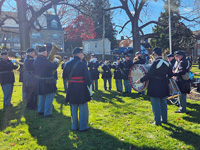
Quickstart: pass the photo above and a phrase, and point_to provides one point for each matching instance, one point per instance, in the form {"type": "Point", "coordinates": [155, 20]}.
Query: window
{"type": "Point", "coordinates": [16, 46]}
{"type": "Point", "coordinates": [95, 45]}
{"type": "Point", "coordinates": [198, 51]}
{"type": "Point", "coordinates": [55, 36]}
{"type": "Point", "coordinates": [54, 24]}
{"type": "Point", "coordinates": [36, 35]}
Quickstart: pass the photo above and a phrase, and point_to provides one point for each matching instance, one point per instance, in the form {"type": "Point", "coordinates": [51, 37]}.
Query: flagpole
{"type": "Point", "coordinates": [170, 33]}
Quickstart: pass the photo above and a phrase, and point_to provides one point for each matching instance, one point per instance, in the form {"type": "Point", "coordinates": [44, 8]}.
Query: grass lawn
{"type": "Point", "coordinates": [118, 122]}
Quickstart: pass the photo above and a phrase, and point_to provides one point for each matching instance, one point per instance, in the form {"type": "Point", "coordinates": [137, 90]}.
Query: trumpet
{"type": "Point", "coordinates": [17, 62]}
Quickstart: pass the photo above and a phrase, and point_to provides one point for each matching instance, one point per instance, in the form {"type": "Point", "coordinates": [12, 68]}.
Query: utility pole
{"type": "Point", "coordinates": [103, 37]}
{"type": "Point", "coordinates": [170, 32]}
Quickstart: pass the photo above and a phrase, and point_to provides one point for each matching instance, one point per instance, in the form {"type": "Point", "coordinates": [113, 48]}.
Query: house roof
{"type": "Point", "coordinates": [51, 18]}
{"type": "Point", "coordinates": [94, 40]}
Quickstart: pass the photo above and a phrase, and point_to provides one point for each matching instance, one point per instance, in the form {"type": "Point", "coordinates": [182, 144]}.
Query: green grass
{"type": "Point", "coordinates": [118, 122]}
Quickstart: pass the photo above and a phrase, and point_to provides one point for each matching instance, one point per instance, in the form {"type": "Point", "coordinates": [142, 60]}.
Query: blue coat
{"type": "Point", "coordinates": [78, 80]}
{"type": "Point", "coordinates": [118, 73]}
{"type": "Point", "coordinates": [126, 68]}
{"type": "Point", "coordinates": [93, 67]}
{"type": "Point", "coordinates": [6, 71]}
{"type": "Point", "coordinates": [44, 69]}
{"type": "Point", "coordinates": [106, 71]}
{"type": "Point", "coordinates": [158, 82]}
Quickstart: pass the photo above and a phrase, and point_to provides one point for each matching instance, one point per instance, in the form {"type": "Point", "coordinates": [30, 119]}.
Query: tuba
{"type": "Point", "coordinates": [53, 52]}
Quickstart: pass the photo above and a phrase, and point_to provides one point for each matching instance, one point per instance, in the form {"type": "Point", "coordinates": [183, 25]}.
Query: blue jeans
{"type": "Point", "coordinates": [118, 83]}
{"type": "Point", "coordinates": [127, 86]}
{"type": "Point", "coordinates": [45, 104]}
{"type": "Point", "coordinates": [182, 102]}
{"type": "Point", "coordinates": [94, 85]}
{"type": "Point", "coordinates": [83, 116]}
{"type": "Point", "coordinates": [65, 84]}
{"type": "Point", "coordinates": [7, 91]}
{"type": "Point", "coordinates": [159, 107]}
{"type": "Point", "coordinates": [105, 83]}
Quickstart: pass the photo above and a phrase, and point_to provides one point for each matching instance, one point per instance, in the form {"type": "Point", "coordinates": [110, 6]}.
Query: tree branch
{"type": "Point", "coordinates": [8, 31]}
{"type": "Point", "coordinates": [150, 22]}
{"type": "Point", "coordinates": [124, 26]}
{"type": "Point", "coordinates": [150, 35]}
{"type": "Point", "coordinates": [8, 17]}
{"type": "Point", "coordinates": [1, 4]}
{"type": "Point", "coordinates": [112, 8]}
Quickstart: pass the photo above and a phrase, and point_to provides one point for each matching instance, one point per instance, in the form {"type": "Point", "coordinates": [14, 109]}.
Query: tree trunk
{"type": "Point", "coordinates": [136, 37]}
{"type": "Point", "coordinates": [24, 27]}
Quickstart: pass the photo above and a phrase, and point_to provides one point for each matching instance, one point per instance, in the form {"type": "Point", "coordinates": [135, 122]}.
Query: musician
{"type": "Point", "coordinates": [107, 75]}
{"type": "Point", "coordinates": [183, 84]}
{"type": "Point", "coordinates": [127, 64]}
{"type": "Point", "coordinates": [46, 86]}
{"type": "Point", "coordinates": [77, 74]}
{"type": "Point", "coordinates": [118, 74]}
{"type": "Point", "coordinates": [7, 78]}
{"type": "Point", "coordinates": [29, 79]}
{"type": "Point", "coordinates": [65, 59]}
{"type": "Point", "coordinates": [171, 60]}
{"type": "Point", "coordinates": [158, 88]}
{"type": "Point", "coordinates": [138, 59]}
{"type": "Point", "coordinates": [94, 73]}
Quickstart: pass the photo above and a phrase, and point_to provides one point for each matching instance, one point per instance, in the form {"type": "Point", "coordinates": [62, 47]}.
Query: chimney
{"type": "Point", "coordinates": [122, 37]}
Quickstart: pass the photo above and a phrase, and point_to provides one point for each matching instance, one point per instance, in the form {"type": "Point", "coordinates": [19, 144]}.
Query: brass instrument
{"type": "Point", "coordinates": [53, 52]}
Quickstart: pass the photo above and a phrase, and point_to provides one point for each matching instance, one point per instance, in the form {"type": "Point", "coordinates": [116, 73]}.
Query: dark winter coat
{"type": "Point", "coordinates": [93, 68]}
{"type": "Point", "coordinates": [78, 80]}
{"type": "Point", "coordinates": [118, 73]}
{"type": "Point", "coordinates": [44, 69]}
{"type": "Point", "coordinates": [21, 71]}
{"type": "Point", "coordinates": [182, 68]}
{"type": "Point", "coordinates": [140, 61]}
{"type": "Point", "coordinates": [6, 71]}
{"type": "Point", "coordinates": [158, 82]}
{"type": "Point", "coordinates": [106, 71]}
{"type": "Point", "coordinates": [126, 68]}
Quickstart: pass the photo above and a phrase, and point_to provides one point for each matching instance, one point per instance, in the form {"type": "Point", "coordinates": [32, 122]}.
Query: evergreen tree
{"type": "Point", "coordinates": [182, 37]}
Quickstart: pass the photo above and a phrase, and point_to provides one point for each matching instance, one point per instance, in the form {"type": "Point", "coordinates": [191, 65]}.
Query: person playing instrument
{"type": "Point", "coordinates": [171, 60]}
{"type": "Point", "coordinates": [78, 93]}
{"type": "Point", "coordinates": [127, 64]}
{"type": "Point", "coordinates": [158, 88]}
{"type": "Point", "coordinates": [138, 58]}
{"type": "Point", "coordinates": [107, 75]}
{"type": "Point", "coordinates": [94, 73]}
{"type": "Point", "coordinates": [45, 85]}
{"type": "Point", "coordinates": [183, 82]}
{"type": "Point", "coordinates": [29, 79]}
{"type": "Point", "coordinates": [7, 78]}
{"type": "Point", "coordinates": [118, 74]}
{"type": "Point", "coordinates": [65, 59]}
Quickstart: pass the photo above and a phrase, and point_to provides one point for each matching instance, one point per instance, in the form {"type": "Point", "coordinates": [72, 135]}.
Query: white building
{"type": "Point", "coordinates": [96, 46]}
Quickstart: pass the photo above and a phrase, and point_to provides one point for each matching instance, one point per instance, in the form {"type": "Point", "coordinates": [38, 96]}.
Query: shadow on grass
{"type": "Point", "coordinates": [194, 116]}
{"type": "Point", "coordinates": [56, 134]}
{"type": "Point", "coordinates": [60, 99]}
{"type": "Point", "coordinates": [180, 134]}
{"type": "Point", "coordinates": [11, 113]}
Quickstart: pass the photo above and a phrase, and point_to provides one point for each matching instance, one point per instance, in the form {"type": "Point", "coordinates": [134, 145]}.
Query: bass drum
{"type": "Point", "coordinates": [136, 72]}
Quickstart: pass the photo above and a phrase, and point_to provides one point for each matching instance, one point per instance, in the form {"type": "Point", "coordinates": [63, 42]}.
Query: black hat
{"type": "Point", "coordinates": [30, 50]}
{"type": "Point", "coordinates": [127, 55]}
{"type": "Point", "coordinates": [93, 55]}
{"type": "Point", "coordinates": [137, 53]}
{"type": "Point", "coordinates": [170, 55]}
{"type": "Point", "coordinates": [118, 58]}
{"type": "Point", "coordinates": [4, 53]}
{"type": "Point", "coordinates": [42, 49]}
{"type": "Point", "coordinates": [22, 53]}
{"type": "Point", "coordinates": [179, 52]}
{"type": "Point", "coordinates": [77, 50]}
{"type": "Point", "coordinates": [157, 51]}
{"type": "Point", "coordinates": [107, 59]}
{"type": "Point", "coordinates": [65, 57]}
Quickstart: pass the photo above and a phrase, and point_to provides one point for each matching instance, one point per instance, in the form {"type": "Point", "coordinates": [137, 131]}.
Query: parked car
{"type": "Point", "coordinates": [120, 50]}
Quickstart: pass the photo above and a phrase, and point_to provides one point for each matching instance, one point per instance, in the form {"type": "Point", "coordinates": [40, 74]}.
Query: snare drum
{"type": "Point", "coordinates": [173, 89]}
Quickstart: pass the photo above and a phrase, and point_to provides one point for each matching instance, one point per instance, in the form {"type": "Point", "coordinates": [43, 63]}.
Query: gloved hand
{"type": "Point", "coordinates": [56, 60]}
{"type": "Point", "coordinates": [13, 61]}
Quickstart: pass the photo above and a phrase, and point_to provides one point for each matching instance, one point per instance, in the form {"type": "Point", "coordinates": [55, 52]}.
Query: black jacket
{"type": "Point", "coordinates": [6, 71]}
{"type": "Point", "coordinates": [93, 68]}
{"type": "Point", "coordinates": [158, 82]}
{"type": "Point", "coordinates": [106, 71]}
{"type": "Point", "coordinates": [140, 61]}
{"type": "Point", "coordinates": [44, 69]}
{"type": "Point", "coordinates": [118, 73]}
{"type": "Point", "coordinates": [126, 68]}
{"type": "Point", "coordinates": [78, 80]}
{"type": "Point", "coordinates": [21, 71]}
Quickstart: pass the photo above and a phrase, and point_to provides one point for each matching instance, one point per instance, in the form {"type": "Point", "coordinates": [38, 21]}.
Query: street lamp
{"type": "Point", "coordinates": [170, 32]}
{"type": "Point", "coordinates": [4, 46]}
